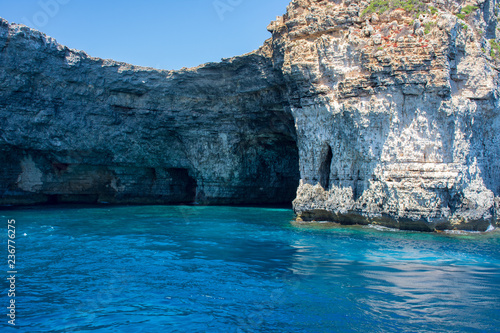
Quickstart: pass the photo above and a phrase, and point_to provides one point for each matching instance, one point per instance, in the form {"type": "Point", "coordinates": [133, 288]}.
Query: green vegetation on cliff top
{"type": "Point", "coordinates": [495, 48]}
{"type": "Point", "coordinates": [466, 11]}
{"type": "Point", "coordinates": [428, 26]}
{"type": "Point", "coordinates": [381, 6]}
{"type": "Point", "coordinates": [416, 7]}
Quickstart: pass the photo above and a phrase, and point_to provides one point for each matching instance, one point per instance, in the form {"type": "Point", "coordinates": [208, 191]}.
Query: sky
{"type": "Point", "coordinates": [164, 34]}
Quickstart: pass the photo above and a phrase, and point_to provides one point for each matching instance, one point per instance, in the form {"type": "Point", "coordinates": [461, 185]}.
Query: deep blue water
{"type": "Point", "coordinates": [220, 269]}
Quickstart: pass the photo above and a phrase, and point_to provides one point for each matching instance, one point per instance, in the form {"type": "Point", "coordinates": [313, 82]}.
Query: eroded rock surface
{"type": "Point", "coordinates": [81, 129]}
{"type": "Point", "coordinates": [396, 110]}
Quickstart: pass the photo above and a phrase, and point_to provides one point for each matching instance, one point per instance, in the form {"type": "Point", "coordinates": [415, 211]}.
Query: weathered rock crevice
{"type": "Point", "coordinates": [325, 167]}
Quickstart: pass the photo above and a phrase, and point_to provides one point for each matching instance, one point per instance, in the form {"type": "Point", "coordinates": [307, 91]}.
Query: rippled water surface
{"type": "Point", "coordinates": [219, 269]}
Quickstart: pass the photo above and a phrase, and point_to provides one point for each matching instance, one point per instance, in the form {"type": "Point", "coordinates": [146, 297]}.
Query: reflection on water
{"type": "Point", "coordinates": [214, 269]}
{"type": "Point", "coordinates": [396, 281]}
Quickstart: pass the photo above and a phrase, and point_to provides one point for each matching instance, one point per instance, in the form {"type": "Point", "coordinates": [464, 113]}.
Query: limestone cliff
{"type": "Point", "coordinates": [81, 129]}
{"type": "Point", "coordinates": [396, 109]}
{"type": "Point", "coordinates": [387, 108]}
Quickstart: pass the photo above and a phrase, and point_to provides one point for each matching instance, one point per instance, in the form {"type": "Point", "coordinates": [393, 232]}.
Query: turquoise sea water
{"type": "Point", "coordinates": [220, 269]}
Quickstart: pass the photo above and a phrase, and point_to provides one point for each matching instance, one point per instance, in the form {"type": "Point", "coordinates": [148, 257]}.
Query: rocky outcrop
{"type": "Point", "coordinates": [396, 109]}
{"type": "Point", "coordinates": [388, 109]}
{"type": "Point", "coordinates": [81, 129]}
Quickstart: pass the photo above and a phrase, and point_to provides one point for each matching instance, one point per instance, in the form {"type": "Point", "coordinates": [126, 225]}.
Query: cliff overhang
{"type": "Point", "coordinates": [82, 129]}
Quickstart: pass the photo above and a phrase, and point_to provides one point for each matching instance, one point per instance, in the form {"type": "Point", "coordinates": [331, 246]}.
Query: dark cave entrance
{"type": "Point", "coordinates": [325, 167]}
{"type": "Point", "coordinates": [268, 165]}
{"type": "Point", "coordinates": [183, 186]}
{"type": "Point", "coordinates": [269, 172]}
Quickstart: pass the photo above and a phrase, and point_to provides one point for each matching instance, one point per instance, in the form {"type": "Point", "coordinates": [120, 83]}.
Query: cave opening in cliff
{"type": "Point", "coordinates": [183, 186]}
{"type": "Point", "coordinates": [325, 167]}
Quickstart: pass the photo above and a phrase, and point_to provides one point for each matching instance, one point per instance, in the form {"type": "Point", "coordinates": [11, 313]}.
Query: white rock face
{"type": "Point", "coordinates": [393, 127]}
